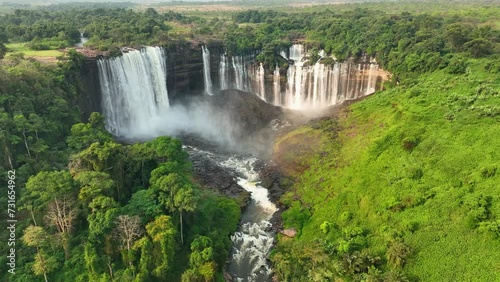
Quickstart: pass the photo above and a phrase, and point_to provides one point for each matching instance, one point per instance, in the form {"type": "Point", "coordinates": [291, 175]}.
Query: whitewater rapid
{"type": "Point", "coordinates": [253, 241]}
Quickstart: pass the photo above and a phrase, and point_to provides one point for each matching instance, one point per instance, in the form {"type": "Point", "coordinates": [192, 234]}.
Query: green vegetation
{"type": "Point", "coordinates": [22, 48]}
{"type": "Point", "coordinates": [402, 43]}
{"type": "Point", "coordinates": [60, 29]}
{"type": "Point", "coordinates": [92, 209]}
{"type": "Point", "coordinates": [400, 186]}
{"type": "Point", "coordinates": [405, 181]}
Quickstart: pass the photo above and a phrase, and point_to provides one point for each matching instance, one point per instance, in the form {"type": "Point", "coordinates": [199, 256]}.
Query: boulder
{"type": "Point", "coordinates": [290, 232]}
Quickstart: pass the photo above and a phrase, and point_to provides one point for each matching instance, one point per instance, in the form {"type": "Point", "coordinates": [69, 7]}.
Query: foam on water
{"type": "Point", "coordinates": [254, 239]}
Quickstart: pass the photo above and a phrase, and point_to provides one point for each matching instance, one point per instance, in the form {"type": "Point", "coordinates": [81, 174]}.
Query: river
{"type": "Point", "coordinates": [253, 241]}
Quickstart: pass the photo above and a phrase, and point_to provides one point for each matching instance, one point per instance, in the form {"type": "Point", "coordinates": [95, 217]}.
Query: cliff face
{"type": "Point", "coordinates": [301, 86]}
{"type": "Point", "coordinates": [91, 100]}
{"type": "Point", "coordinates": [184, 70]}
{"type": "Point", "coordinates": [184, 76]}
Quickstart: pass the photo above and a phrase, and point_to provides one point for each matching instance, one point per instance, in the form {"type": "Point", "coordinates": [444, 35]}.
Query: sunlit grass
{"type": "Point", "coordinates": [21, 48]}
{"type": "Point", "coordinates": [178, 28]}
{"type": "Point", "coordinates": [369, 173]}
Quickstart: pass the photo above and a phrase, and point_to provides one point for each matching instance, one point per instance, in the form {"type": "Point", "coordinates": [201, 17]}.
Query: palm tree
{"type": "Point", "coordinates": [397, 253]}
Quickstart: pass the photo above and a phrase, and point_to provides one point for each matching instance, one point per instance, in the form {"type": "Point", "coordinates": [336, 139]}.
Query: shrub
{"type": "Point", "coordinates": [457, 65]}
{"type": "Point", "coordinates": [493, 67]}
{"type": "Point", "coordinates": [487, 172]}
{"type": "Point", "coordinates": [345, 217]}
{"type": "Point", "coordinates": [478, 209]}
{"type": "Point", "coordinates": [409, 143]}
{"type": "Point", "coordinates": [415, 173]}
{"type": "Point", "coordinates": [491, 227]}
{"type": "Point", "coordinates": [38, 46]}
{"type": "Point", "coordinates": [410, 226]}
{"type": "Point", "coordinates": [325, 227]}
{"type": "Point", "coordinates": [393, 204]}
{"type": "Point", "coordinates": [327, 61]}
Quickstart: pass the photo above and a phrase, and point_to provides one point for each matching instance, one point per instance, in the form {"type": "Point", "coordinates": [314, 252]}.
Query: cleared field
{"type": "Point", "coordinates": [21, 48]}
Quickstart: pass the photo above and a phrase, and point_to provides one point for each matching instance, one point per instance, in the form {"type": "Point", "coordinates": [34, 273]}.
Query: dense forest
{"type": "Point", "coordinates": [93, 207]}
{"type": "Point", "coordinates": [407, 192]}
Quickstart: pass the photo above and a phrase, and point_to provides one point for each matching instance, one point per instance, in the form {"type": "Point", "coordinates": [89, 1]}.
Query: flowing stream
{"type": "Point", "coordinates": [136, 105]}
{"type": "Point", "coordinates": [83, 40]}
{"type": "Point", "coordinates": [253, 240]}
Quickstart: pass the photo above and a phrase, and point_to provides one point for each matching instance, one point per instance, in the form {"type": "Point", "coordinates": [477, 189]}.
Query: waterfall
{"type": "Point", "coordinates": [276, 86]}
{"type": "Point", "coordinates": [283, 54]}
{"type": "Point", "coordinates": [321, 85]}
{"type": "Point", "coordinates": [134, 89]}
{"type": "Point", "coordinates": [297, 52]}
{"type": "Point", "coordinates": [307, 86]}
{"type": "Point", "coordinates": [239, 72]}
{"type": "Point", "coordinates": [371, 84]}
{"type": "Point", "coordinates": [335, 82]}
{"type": "Point", "coordinates": [261, 82]}
{"type": "Point", "coordinates": [206, 70]}
{"type": "Point", "coordinates": [83, 40]}
{"type": "Point", "coordinates": [223, 73]}
{"type": "Point", "coordinates": [316, 74]}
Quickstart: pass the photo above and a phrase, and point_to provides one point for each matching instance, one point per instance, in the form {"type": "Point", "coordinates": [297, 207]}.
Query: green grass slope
{"type": "Point", "coordinates": [21, 48]}
{"type": "Point", "coordinates": [405, 185]}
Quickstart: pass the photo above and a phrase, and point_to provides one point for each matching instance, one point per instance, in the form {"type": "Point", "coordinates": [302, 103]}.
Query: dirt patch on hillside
{"type": "Point", "coordinates": [292, 151]}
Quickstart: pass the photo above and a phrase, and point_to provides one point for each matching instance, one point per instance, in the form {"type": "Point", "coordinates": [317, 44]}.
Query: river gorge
{"type": "Point", "coordinates": [232, 102]}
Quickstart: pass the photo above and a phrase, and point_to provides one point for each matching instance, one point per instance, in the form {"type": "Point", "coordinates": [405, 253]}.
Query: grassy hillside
{"type": "Point", "coordinates": [401, 185]}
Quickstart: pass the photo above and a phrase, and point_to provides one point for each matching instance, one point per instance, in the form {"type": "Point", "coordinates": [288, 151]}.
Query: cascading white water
{"type": "Point", "coordinates": [253, 241]}
{"type": "Point", "coordinates": [276, 86]}
{"type": "Point", "coordinates": [283, 54]}
{"type": "Point", "coordinates": [308, 86]}
{"type": "Point", "coordinates": [239, 73]}
{"type": "Point", "coordinates": [261, 82]}
{"type": "Point", "coordinates": [134, 89]}
{"type": "Point", "coordinates": [223, 70]}
{"type": "Point", "coordinates": [297, 52]}
{"type": "Point", "coordinates": [370, 88]}
{"type": "Point", "coordinates": [206, 70]}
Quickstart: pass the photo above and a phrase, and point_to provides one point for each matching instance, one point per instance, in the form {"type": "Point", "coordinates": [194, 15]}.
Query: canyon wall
{"type": "Point", "coordinates": [303, 85]}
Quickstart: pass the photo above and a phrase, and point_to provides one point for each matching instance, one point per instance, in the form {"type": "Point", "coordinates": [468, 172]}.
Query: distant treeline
{"type": "Point", "coordinates": [402, 42]}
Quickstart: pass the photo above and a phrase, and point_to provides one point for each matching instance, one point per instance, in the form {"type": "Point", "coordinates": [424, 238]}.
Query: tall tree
{"type": "Point", "coordinates": [84, 134]}
{"type": "Point", "coordinates": [128, 229]}
{"type": "Point", "coordinates": [35, 236]}
{"type": "Point", "coordinates": [104, 211]}
{"type": "Point", "coordinates": [175, 194]}
{"type": "Point", "coordinates": [93, 184]}
{"type": "Point", "coordinates": [7, 139]}
{"type": "Point", "coordinates": [48, 186]}
{"type": "Point", "coordinates": [61, 213]}
{"type": "Point", "coordinates": [202, 267]}
{"type": "Point", "coordinates": [161, 231]}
